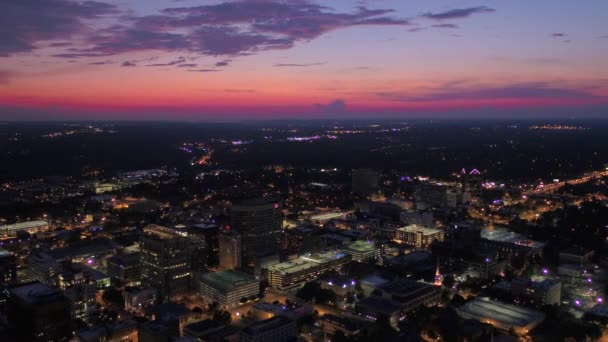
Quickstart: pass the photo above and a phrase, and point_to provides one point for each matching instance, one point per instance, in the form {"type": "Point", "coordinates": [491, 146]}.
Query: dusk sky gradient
{"type": "Point", "coordinates": [258, 59]}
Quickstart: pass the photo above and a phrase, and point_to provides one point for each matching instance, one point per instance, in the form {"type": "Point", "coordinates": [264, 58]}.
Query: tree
{"type": "Point", "coordinates": [214, 306]}
{"type": "Point", "coordinates": [113, 297]}
{"type": "Point", "coordinates": [457, 300]}
{"type": "Point", "coordinates": [448, 281]}
{"type": "Point", "coordinates": [339, 337]}
{"type": "Point", "coordinates": [222, 317]}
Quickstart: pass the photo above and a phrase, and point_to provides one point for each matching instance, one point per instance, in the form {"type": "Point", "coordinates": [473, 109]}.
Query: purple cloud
{"type": "Point", "coordinates": [223, 63]}
{"type": "Point", "coordinates": [128, 64]}
{"type": "Point", "coordinates": [101, 63]}
{"type": "Point", "coordinates": [175, 62]}
{"type": "Point", "coordinates": [532, 90]}
{"type": "Point", "coordinates": [187, 65]}
{"type": "Point", "coordinates": [458, 13]}
{"type": "Point", "coordinates": [558, 34]}
{"type": "Point", "coordinates": [298, 65]}
{"type": "Point", "coordinates": [25, 22]}
{"type": "Point", "coordinates": [229, 29]}
{"type": "Point", "coordinates": [204, 70]}
{"type": "Point", "coordinates": [449, 26]}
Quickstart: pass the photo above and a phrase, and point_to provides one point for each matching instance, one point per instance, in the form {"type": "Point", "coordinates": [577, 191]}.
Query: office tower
{"type": "Point", "coordinates": [37, 312]}
{"type": "Point", "coordinates": [125, 267]}
{"type": "Point", "coordinates": [364, 181]}
{"type": "Point", "coordinates": [8, 267]}
{"type": "Point", "coordinates": [169, 257]}
{"type": "Point", "coordinates": [229, 250]}
{"type": "Point", "coordinates": [259, 222]}
{"type": "Point", "coordinates": [81, 292]}
{"type": "Point", "coordinates": [43, 268]}
{"type": "Point", "coordinates": [472, 185]}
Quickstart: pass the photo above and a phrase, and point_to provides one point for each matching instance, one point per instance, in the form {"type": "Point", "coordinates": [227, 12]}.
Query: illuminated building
{"type": "Point", "coordinates": [43, 268]}
{"type": "Point", "coordinates": [420, 217]}
{"type": "Point", "coordinates": [126, 330]}
{"type": "Point", "coordinates": [418, 236]}
{"type": "Point", "coordinates": [259, 222]}
{"type": "Point", "coordinates": [409, 294]}
{"type": "Point", "coordinates": [169, 257]}
{"type": "Point", "coordinates": [227, 287]}
{"type": "Point", "coordinates": [37, 312]}
{"type": "Point", "coordinates": [438, 277]}
{"type": "Point", "coordinates": [81, 293]}
{"type": "Point", "coordinates": [276, 329]}
{"type": "Point", "coordinates": [291, 274]}
{"type": "Point", "coordinates": [472, 184]}
{"type": "Point", "coordinates": [136, 299]}
{"type": "Point", "coordinates": [363, 251]}
{"type": "Point", "coordinates": [31, 227]}
{"type": "Point", "coordinates": [502, 316]}
{"type": "Point", "coordinates": [301, 239]}
{"type": "Point", "coordinates": [125, 267]}
{"type": "Point", "coordinates": [229, 250]}
{"type": "Point", "coordinates": [541, 291]}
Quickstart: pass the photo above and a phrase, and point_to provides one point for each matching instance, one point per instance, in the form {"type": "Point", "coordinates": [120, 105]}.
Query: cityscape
{"type": "Point", "coordinates": [315, 171]}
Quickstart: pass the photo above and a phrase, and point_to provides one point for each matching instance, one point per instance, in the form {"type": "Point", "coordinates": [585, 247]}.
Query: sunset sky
{"type": "Point", "coordinates": [198, 60]}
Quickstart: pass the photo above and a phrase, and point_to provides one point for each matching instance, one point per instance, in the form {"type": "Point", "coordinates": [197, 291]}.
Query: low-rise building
{"type": "Point", "coordinates": [227, 287]}
{"type": "Point", "coordinates": [541, 291]}
{"type": "Point", "coordinates": [349, 326]}
{"type": "Point", "coordinates": [276, 329]}
{"type": "Point", "coordinates": [31, 227]}
{"type": "Point", "coordinates": [502, 316]}
{"type": "Point", "coordinates": [409, 294]}
{"type": "Point", "coordinates": [363, 251]}
{"type": "Point", "coordinates": [418, 236]}
{"type": "Point", "coordinates": [292, 274]}
{"type": "Point", "coordinates": [140, 299]}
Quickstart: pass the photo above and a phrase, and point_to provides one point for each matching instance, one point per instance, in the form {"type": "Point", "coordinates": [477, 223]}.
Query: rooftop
{"type": "Point", "coordinates": [227, 280]}
{"type": "Point", "coordinates": [306, 262]}
{"type": "Point", "coordinates": [268, 324]}
{"type": "Point", "coordinates": [360, 246]}
{"type": "Point", "coordinates": [34, 292]}
{"type": "Point", "coordinates": [505, 313]}
{"type": "Point", "coordinates": [414, 228]}
{"type": "Point", "coordinates": [326, 216]}
{"type": "Point", "coordinates": [24, 225]}
{"type": "Point", "coordinates": [507, 236]}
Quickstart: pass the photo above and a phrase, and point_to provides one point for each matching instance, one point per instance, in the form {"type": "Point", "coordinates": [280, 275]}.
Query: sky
{"type": "Point", "coordinates": [266, 59]}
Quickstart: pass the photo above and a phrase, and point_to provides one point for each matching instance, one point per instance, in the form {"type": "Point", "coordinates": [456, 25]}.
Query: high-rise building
{"type": "Point", "coordinates": [364, 181]}
{"type": "Point", "coordinates": [81, 291]}
{"type": "Point", "coordinates": [43, 268]}
{"type": "Point", "coordinates": [169, 258]}
{"type": "Point", "coordinates": [472, 185]}
{"type": "Point", "coordinates": [259, 222]}
{"type": "Point", "coordinates": [37, 312]}
{"type": "Point", "coordinates": [229, 250]}
{"type": "Point", "coordinates": [125, 267]}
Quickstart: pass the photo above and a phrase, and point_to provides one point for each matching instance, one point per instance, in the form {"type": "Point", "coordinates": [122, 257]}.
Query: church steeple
{"type": "Point", "coordinates": [438, 276]}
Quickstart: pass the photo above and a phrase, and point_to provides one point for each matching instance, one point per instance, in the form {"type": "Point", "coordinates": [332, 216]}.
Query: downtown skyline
{"type": "Point", "coordinates": [262, 59]}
